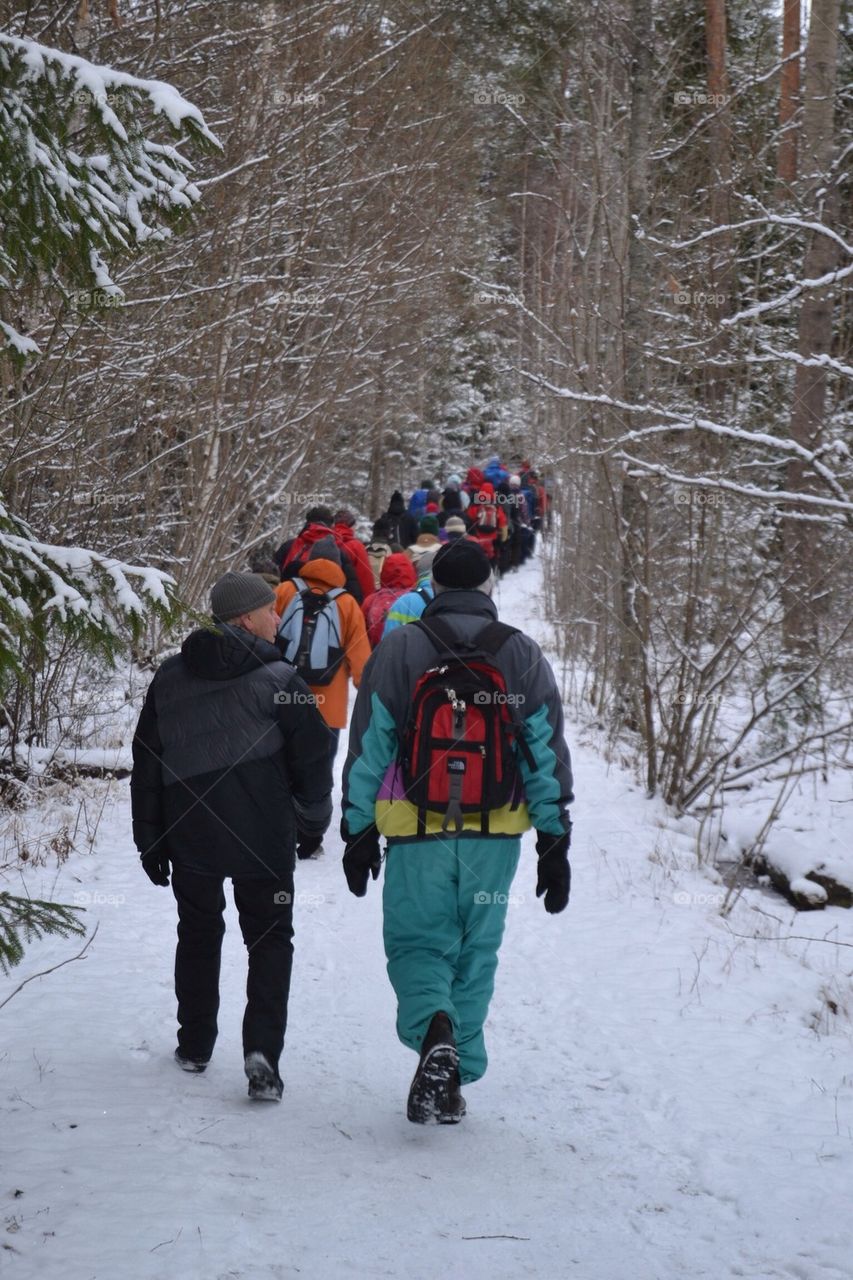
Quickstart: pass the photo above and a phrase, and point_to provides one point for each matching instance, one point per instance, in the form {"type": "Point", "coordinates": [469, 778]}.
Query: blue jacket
{"type": "Point", "coordinates": [417, 503]}
{"type": "Point", "coordinates": [494, 472]}
{"type": "Point", "coordinates": [408, 607]}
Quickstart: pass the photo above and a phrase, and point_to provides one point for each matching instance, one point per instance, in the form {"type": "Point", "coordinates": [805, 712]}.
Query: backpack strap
{"type": "Point", "coordinates": [494, 636]}
{"type": "Point", "coordinates": [441, 634]}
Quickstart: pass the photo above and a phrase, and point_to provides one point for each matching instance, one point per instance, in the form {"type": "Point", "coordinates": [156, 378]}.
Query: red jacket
{"type": "Point", "coordinates": [357, 553]}
{"type": "Point", "coordinates": [482, 504]}
{"type": "Point", "coordinates": [398, 576]}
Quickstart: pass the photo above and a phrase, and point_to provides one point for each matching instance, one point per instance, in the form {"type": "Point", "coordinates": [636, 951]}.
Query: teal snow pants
{"type": "Point", "coordinates": [444, 904]}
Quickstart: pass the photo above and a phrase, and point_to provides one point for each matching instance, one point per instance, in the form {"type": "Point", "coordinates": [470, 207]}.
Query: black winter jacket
{"type": "Point", "coordinates": [230, 755]}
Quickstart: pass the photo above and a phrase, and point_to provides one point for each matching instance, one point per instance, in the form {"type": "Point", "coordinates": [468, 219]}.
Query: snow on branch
{"type": "Point", "coordinates": [776, 496]}
{"type": "Point", "coordinates": [74, 590]}
{"type": "Point", "coordinates": [80, 179]}
{"type": "Point", "coordinates": [782, 220]}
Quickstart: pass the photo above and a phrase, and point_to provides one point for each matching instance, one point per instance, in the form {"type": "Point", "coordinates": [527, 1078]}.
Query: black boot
{"type": "Point", "coordinates": [265, 1084]}
{"type": "Point", "coordinates": [435, 1096]}
{"type": "Point", "coordinates": [196, 1065]}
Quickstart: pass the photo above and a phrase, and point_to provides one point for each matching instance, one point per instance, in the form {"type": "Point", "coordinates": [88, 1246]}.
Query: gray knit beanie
{"type": "Point", "coordinates": [237, 593]}
{"type": "Point", "coordinates": [325, 549]}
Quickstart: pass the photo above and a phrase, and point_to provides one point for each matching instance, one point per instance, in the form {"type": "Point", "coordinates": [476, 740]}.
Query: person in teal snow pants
{"type": "Point", "coordinates": [448, 875]}
{"type": "Point", "coordinates": [444, 913]}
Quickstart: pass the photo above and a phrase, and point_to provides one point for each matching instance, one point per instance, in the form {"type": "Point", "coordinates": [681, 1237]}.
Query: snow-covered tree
{"type": "Point", "coordinates": [81, 180]}
{"type": "Point", "coordinates": [80, 594]}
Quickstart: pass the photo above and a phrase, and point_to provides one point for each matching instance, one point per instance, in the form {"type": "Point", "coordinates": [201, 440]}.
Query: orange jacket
{"type": "Point", "coordinates": [323, 575]}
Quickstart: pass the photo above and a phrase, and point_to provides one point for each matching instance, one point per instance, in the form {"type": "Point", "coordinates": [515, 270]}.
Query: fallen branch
{"type": "Point", "coordinates": [45, 972]}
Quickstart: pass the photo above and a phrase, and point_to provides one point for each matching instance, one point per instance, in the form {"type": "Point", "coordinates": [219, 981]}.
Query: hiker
{"type": "Point", "coordinates": [266, 569]}
{"type": "Point", "coordinates": [427, 532]}
{"type": "Point", "coordinates": [407, 608]}
{"type": "Point", "coordinates": [495, 472]}
{"type": "Point", "coordinates": [455, 527]}
{"type": "Point", "coordinates": [487, 522]}
{"type": "Point", "coordinates": [230, 760]}
{"type": "Point", "coordinates": [473, 482]}
{"type": "Point", "coordinates": [454, 499]}
{"type": "Point", "coordinates": [291, 555]}
{"type": "Point", "coordinates": [401, 527]}
{"type": "Point", "coordinates": [322, 633]}
{"type": "Point", "coordinates": [420, 497]}
{"type": "Point", "coordinates": [343, 528]}
{"type": "Point", "coordinates": [378, 549]}
{"type": "Point", "coordinates": [432, 696]}
{"type": "Point", "coordinates": [398, 577]}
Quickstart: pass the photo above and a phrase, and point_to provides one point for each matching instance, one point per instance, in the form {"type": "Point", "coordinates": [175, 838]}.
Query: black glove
{"type": "Point", "coordinates": [361, 856]}
{"type": "Point", "coordinates": [156, 867]}
{"type": "Point", "coordinates": [307, 846]}
{"type": "Point", "coordinates": [554, 876]}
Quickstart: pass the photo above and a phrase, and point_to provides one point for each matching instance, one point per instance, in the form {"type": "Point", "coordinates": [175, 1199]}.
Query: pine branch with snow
{"type": "Point", "coordinates": [90, 598]}
{"type": "Point", "coordinates": [81, 180]}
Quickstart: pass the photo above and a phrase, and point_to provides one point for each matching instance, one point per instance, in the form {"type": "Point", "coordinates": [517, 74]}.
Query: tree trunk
{"type": "Point", "coordinates": [804, 580]}
{"type": "Point", "coordinates": [789, 95]}
{"type": "Point", "coordinates": [721, 257]}
{"type": "Point", "coordinates": [634, 691]}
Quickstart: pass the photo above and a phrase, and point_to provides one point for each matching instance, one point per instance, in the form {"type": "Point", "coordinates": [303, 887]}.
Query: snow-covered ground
{"type": "Point", "coordinates": [669, 1095]}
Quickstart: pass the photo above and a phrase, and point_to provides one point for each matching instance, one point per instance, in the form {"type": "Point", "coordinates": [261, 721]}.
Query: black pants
{"type": "Point", "coordinates": [265, 909]}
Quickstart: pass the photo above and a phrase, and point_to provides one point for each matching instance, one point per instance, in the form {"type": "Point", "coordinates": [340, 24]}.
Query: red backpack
{"type": "Point", "coordinates": [486, 517]}
{"type": "Point", "coordinates": [458, 752]}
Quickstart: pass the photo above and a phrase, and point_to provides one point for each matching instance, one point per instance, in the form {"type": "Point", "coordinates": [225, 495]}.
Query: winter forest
{"type": "Point", "coordinates": [265, 257]}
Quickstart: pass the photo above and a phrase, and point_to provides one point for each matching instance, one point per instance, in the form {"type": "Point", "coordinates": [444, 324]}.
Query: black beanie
{"type": "Point", "coordinates": [461, 564]}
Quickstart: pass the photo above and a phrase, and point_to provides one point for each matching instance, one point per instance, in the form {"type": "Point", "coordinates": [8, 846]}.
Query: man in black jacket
{"type": "Point", "coordinates": [230, 762]}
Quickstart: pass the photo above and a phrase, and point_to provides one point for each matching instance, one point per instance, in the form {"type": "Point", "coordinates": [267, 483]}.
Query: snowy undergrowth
{"type": "Point", "coordinates": [670, 1091]}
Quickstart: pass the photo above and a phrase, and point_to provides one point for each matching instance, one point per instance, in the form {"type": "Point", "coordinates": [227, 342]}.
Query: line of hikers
{"type": "Point", "coordinates": [456, 743]}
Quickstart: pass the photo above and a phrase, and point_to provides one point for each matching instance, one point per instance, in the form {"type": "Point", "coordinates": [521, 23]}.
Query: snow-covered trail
{"type": "Point", "coordinates": [657, 1104]}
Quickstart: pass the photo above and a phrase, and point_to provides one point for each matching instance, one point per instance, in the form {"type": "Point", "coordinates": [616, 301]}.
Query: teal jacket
{"type": "Point", "coordinates": [408, 607]}
{"type": "Point", "coordinates": [373, 790]}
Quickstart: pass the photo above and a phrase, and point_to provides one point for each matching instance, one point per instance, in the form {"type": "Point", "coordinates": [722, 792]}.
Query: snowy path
{"type": "Point", "coordinates": [658, 1103]}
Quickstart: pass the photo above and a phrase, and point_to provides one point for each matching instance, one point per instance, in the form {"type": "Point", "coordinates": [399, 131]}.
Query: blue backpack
{"type": "Point", "coordinates": [311, 627]}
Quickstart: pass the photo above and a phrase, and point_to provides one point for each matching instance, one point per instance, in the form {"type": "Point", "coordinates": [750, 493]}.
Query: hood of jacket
{"type": "Point", "coordinates": [344, 533]}
{"type": "Point", "coordinates": [398, 571]}
{"type": "Point", "coordinates": [322, 575]}
{"type": "Point", "coordinates": [314, 532]}
{"type": "Point", "coordinates": [454, 600]}
{"type": "Point", "coordinates": [227, 652]}
{"type": "Point", "coordinates": [397, 505]}
{"type": "Point", "coordinates": [474, 477]}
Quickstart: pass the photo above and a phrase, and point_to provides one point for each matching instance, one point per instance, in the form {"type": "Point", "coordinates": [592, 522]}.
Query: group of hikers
{"type": "Point", "coordinates": [456, 748]}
